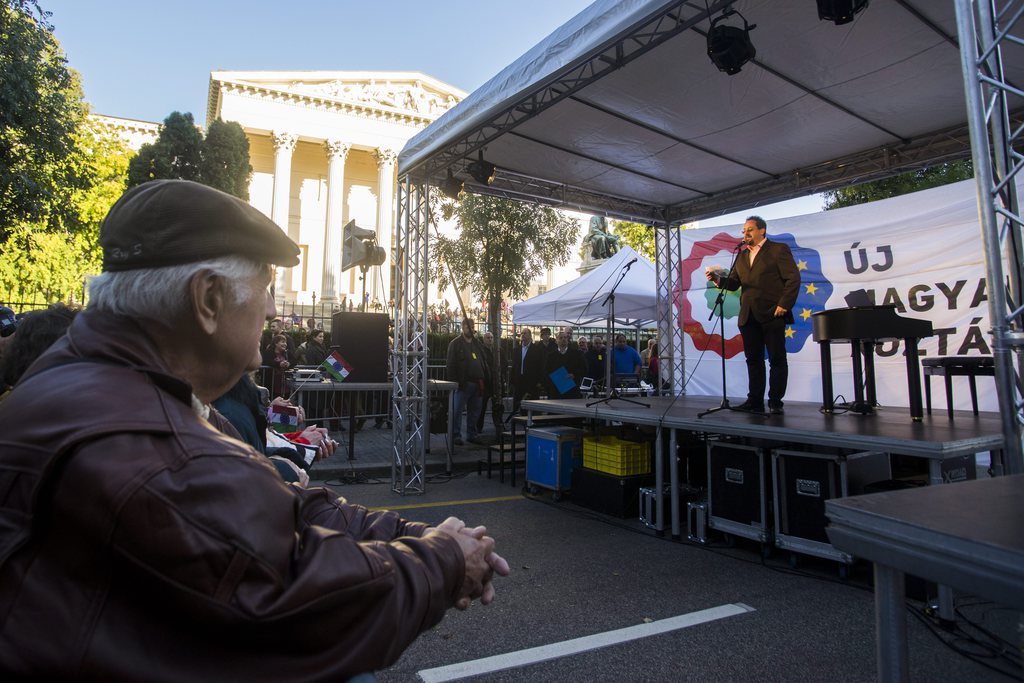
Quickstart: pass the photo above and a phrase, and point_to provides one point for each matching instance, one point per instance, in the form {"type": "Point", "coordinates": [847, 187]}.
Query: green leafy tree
{"type": "Point", "coordinates": [500, 247]}
{"type": "Point", "coordinates": [42, 266]}
{"type": "Point", "coordinates": [638, 236]}
{"type": "Point", "coordinates": [225, 163]}
{"type": "Point", "coordinates": [221, 160]}
{"type": "Point", "coordinates": [41, 108]}
{"type": "Point", "coordinates": [912, 181]}
{"type": "Point", "coordinates": [177, 153]}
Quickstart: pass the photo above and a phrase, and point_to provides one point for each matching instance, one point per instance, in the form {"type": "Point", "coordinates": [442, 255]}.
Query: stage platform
{"type": "Point", "coordinates": [890, 429]}
{"type": "Point", "coordinates": [935, 438]}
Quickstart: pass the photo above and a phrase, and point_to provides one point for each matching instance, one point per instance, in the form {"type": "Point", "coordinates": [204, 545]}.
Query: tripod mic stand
{"type": "Point", "coordinates": [612, 392]}
{"type": "Point", "coordinates": [720, 307]}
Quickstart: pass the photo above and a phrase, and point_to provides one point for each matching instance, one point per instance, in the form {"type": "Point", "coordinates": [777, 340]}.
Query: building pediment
{"type": "Point", "coordinates": [410, 94]}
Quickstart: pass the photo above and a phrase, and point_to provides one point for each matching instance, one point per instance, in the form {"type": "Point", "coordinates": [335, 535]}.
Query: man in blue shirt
{"type": "Point", "coordinates": [625, 359]}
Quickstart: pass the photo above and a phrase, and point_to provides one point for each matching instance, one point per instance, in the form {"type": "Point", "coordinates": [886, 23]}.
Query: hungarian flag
{"type": "Point", "coordinates": [283, 419]}
{"type": "Point", "coordinates": [338, 368]}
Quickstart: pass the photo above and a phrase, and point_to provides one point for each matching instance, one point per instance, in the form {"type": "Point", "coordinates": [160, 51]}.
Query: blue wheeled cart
{"type": "Point", "coordinates": [550, 455]}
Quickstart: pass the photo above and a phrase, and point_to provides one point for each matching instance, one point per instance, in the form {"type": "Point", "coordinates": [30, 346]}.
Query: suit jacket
{"type": "Point", "coordinates": [773, 280]}
{"type": "Point", "coordinates": [573, 362]}
{"type": "Point", "coordinates": [525, 380]}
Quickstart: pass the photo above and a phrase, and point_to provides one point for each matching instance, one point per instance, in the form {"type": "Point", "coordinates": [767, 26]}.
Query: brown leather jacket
{"type": "Point", "coordinates": [138, 543]}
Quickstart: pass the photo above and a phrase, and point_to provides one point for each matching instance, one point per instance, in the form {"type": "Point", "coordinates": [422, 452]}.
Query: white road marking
{"type": "Point", "coordinates": [534, 655]}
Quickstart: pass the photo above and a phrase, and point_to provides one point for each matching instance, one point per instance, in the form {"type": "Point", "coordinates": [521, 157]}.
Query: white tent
{"type": "Point", "coordinates": [583, 301]}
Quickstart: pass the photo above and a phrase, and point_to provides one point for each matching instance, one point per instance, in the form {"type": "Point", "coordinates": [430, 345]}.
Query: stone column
{"type": "Point", "coordinates": [385, 215]}
{"type": "Point", "coordinates": [284, 145]}
{"type": "Point", "coordinates": [337, 152]}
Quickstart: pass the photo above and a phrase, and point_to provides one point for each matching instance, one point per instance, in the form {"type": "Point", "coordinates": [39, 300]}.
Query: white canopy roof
{"type": "Point", "coordinates": [583, 301]}
{"type": "Point", "coordinates": [621, 112]}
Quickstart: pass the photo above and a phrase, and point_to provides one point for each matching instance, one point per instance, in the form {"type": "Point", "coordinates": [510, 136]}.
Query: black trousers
{"type": "Point", "coordinates": [757, 338]}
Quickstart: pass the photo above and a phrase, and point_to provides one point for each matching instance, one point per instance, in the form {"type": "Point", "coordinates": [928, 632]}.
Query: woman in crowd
{"type": "Point", "coordinates": [313, 351]}
{"type": "Point", "coordinates": [276, 357]}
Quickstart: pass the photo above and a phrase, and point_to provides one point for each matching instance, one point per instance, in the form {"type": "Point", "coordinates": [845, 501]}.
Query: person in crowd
{"type": "Point", "coordinates": [527, 369]}
{"type": "Point", "coordinates": [595, 358]}
{"type": "Point", "coordinates": [547, 340]}
{"type": "Point", "coordinates": [564, 356]}
{"type": "Point", "coordinates": [138, 539]}
{"type": "Point", "coordinates": [488, 396]}
{"type": "Point", "coordinates": [8, 322]}
{"type": "Point", "coordinates": [310, 325]}
{"type": "Point", "coordinates": [569, 335]}
{"type": "Point", "coordinates": [583, 344]}
{"type": "Point", "coordinates": [242, 407]}
{"type": "Point", "coordinates": [652, 367]}
{"type": "Point", "coordinates": [288, 330]}
{"type": "Point", "coordinates": [36, 332]}
{"type": "Point", "coordinates": [645, 355]}
{"type": "Point", "coordinates": [313, 351]}
{"type": "Point", "coordinates": [625, 359]}
{"type": "Point", "coordinates": [275, 356]}
{"type": "Point", "coordinates": [770, 280]}
{"type": "Point", "coordinates": [467, 366]}
{"type": "Point", "coordinates": [8, 326]}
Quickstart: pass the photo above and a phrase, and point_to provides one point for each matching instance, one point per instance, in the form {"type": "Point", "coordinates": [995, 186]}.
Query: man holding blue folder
{"type": "Point", "coordinates": [564, 368]}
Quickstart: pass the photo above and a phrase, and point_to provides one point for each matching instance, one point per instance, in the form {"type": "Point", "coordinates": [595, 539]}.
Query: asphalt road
{"type": "Point", "coordinates": [578, 574]}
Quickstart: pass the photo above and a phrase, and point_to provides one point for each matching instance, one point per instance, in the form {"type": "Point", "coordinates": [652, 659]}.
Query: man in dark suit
{"type": "Point", "coordinates": [565, 356]}
{"type": "Point", "coordinates": [771, 281]}
{"type": "Point", "coordinates": [527, 369]}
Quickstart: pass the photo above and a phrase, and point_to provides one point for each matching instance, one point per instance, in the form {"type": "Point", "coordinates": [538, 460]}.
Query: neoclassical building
{"type": "Point", "coordinates": [323, 146]}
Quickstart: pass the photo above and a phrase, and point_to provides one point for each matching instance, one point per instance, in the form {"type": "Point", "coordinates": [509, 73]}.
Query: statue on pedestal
{"type": "Point", "coordinates": [602, 243]}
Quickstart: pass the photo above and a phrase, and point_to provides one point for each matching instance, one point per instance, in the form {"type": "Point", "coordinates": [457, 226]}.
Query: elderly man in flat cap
{"type": "Point", "coordinates": [137, 542]}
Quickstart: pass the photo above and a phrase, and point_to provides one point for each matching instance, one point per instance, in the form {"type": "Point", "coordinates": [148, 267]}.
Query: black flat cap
{"type": "Point", "coordinates": [173, 222]}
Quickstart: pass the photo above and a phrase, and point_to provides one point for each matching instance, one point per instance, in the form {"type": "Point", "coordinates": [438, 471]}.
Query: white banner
{"type": "Point", "coordinates": [921, 252]}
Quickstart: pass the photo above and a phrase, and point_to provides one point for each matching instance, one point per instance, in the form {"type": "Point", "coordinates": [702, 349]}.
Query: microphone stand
{"type": "Point", "coordinates": [720, 307]}
{"type": "Point", "coordinates": [610, 391]}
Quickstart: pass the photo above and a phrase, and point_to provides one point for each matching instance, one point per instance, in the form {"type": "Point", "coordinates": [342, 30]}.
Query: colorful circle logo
{"type": "Point", "coordinates": [815, 290]}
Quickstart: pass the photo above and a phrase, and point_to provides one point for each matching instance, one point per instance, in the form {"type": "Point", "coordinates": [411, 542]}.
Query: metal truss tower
{"type": "Point", "coordinates": [990, 31]}
{"type": "Point", "coordinates": [410, 354]}
{"type": "Point", "coordinates": [668, 254]}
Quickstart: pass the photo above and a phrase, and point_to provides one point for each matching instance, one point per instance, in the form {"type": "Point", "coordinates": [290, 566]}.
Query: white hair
{"type": "Point", "coordinates": [161, 294]}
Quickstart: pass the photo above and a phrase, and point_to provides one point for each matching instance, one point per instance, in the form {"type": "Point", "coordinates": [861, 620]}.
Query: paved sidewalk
{"type": "Point", "coordinates": [372, 454]}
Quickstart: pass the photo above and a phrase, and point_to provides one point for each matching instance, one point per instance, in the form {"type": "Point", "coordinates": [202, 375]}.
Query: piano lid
{"type": "Point", "coordinates": [867, 323]}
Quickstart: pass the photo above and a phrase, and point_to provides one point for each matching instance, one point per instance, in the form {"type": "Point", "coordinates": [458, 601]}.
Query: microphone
{"type": "Point", "coordinates": [739, 246]}
{"type": "Point", "coordinates": [631, 263]}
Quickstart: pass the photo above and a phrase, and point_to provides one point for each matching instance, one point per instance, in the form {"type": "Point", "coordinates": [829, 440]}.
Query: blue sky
{"type": "Point", "coordinates": [143, 59]}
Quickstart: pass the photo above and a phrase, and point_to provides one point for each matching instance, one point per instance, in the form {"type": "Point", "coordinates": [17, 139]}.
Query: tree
{"type": "Point", "coordinates": [225, 163]}
{"type": "Point", "coordinates": [638, 236]}
{"type": "Point", "coordinates": [221, 160]}
{"type": "Point", "coordinates": [912, 181]}
{"type": "Point", "coordinates": [43, 266]}
{"type": "Point", "coordinates": [177, 153]}
{"type": "Point", "coordinates": [41, 108]}
{"type": "Point", "coordinates": [500, 247]}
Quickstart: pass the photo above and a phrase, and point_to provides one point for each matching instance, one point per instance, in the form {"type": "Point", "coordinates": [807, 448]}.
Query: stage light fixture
{"type": "Point", "coordinates": [729, 47]}
{"type": "Point", "coordinates": [482, 171]}
{"type": "Point", "coordinates": [451, 186]}
{"type": "Point", "coordinates": [840, 11]}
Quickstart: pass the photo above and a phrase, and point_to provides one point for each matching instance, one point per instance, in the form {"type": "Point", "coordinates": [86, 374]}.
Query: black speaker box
{"type": "Point", "coordinates": [608, 494]}
{"type": "Point", "coordinates": [736, 483]}
{"type": "Point", "coordinates": [805, 483]}
{"type": "Point", "coordinates": [362, 340]}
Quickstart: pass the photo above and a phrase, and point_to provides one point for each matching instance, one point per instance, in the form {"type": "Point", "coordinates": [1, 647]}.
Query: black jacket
{"type": "Point", "coordinates": [773, 280]}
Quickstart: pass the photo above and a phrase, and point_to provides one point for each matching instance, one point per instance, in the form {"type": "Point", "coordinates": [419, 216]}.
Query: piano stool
{"type": "Point", "coordinates": [956, 366]}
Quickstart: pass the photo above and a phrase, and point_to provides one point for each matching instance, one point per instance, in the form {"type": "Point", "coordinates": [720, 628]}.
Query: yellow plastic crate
{"type": "Point", "coordinates": [612, 455]}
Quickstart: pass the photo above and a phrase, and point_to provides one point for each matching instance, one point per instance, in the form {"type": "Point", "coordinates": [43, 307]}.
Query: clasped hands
{"type": "Point", "coordinates": [482, 563]}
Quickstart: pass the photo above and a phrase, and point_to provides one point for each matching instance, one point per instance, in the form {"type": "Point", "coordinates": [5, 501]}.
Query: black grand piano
{"type": "Point", "coordinates": [863, 327]}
